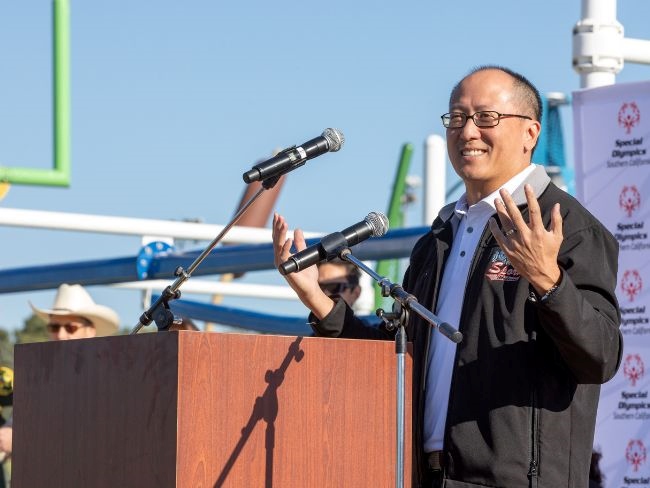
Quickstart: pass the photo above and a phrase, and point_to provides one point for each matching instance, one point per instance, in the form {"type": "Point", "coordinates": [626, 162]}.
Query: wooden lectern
{"type": "Point", "coordinates": [199, 409]}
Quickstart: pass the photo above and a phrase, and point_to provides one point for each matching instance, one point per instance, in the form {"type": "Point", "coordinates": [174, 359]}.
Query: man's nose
{"type": "Point", "coordinates": [61, 334]}
{"type": "Point", "coordinates": [470, 131]}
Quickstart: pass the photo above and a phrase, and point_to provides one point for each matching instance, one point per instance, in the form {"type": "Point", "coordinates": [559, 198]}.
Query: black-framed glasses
{"type": "Point", "coordinates": [483, 118]}
{"type": "Point", "coordinates": [336, 287]}
{"type": "Point", "coordinates": [69, 327]}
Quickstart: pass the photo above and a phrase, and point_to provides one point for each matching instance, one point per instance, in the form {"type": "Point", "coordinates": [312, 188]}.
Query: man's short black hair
{"type": "Point", "coordinates": [351, 271]}
{"type": "Point", "coordinates": [527, 92]}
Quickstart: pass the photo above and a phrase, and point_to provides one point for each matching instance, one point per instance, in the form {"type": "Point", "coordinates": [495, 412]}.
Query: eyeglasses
{"type": "Point", "coordinates": [336, 287]}
{"type": "Point", "coordinates": [69, 327]}
{"type": "Point", "coordinates": [489, 118]}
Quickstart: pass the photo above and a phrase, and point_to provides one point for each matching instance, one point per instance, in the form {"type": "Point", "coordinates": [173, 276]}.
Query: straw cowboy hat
{"type": "Point", "coordinates": [75, 300]}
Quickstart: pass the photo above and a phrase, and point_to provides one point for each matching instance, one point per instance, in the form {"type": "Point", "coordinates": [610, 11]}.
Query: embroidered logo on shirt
{"type": "Point", "coordinates": [501, 269]}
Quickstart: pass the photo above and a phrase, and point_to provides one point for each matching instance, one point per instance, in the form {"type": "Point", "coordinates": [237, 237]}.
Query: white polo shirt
{"type": "Point", "coordinates": [468, 223]}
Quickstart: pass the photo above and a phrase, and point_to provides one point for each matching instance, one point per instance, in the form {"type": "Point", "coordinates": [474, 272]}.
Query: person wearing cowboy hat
{"type": "Point", "coordinates": [75, 315]}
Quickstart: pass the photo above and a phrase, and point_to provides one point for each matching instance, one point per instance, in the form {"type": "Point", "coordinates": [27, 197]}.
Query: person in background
{"type": "Point", "coordinates": [6, 429]}
{"type": "Point", "coordinates": [340, 278]}
{"type": "Point", "coordinates": [73, 315]}
{"type": "Point", "coordinates": [596, 476]}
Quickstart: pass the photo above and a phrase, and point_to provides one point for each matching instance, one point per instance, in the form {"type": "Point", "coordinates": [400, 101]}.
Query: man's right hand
{"type": "Point", "coordinates": [305, 282]}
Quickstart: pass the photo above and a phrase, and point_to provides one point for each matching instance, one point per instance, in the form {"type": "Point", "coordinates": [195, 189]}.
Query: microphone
{"type": "Point", "coordinates": [374, 225]}
{"type": "Point", "coordinates": [294, 157]}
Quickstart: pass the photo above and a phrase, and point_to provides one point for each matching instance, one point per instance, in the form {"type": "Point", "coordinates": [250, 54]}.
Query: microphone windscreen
{"type": "Point", "coordinates": [378, 222]}
{"type": "Point", "coordinates": [335, 139]}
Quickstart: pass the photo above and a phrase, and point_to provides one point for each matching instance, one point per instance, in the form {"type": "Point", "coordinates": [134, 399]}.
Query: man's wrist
{"type": "Point", "coordinates": [546, 294]}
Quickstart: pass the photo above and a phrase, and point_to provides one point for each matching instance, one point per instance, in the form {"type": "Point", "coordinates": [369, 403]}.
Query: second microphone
{"type": "Point", "coordinates": [374, 225]}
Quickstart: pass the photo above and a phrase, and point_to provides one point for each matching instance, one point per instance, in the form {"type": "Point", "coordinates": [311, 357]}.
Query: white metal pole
{"type": "Point", "coordinates": [207, 287]}
{"type": "Point", "coordinates": [435, 183]}
{"type": "Point", "coordinates": [598, 44]}
{"type": "Point", "coordinates": [131, 226]}
{"type": "Point", "coordinates": [599, 9]}
{"type": "Point", "coordinates": [636, 51]}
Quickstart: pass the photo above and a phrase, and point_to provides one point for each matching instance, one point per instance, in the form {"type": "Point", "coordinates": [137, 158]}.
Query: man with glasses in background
{"type": "Point", "coordinates": [75, 315]}
{"type": "Point", "coordinates": [528, 276]}
{"type": "Point", "coordinates": [340, 278]}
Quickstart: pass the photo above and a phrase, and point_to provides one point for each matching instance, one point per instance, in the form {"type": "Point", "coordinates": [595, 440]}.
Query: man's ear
{"type": "Point", "coordinates": [356, 292]}
{"type": "Point", "coordinates": [531, 135]}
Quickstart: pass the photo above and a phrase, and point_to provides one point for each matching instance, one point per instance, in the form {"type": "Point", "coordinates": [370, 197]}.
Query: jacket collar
{"type": "Point", "coordinates": [538, 179]}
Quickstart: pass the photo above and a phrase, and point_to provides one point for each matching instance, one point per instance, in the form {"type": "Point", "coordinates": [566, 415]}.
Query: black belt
{"type": "Point", "coordinates": [435, 460]}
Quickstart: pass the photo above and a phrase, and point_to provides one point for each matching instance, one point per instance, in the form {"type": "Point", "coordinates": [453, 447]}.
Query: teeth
{"type": "Point", "coordinates": [472, 152]}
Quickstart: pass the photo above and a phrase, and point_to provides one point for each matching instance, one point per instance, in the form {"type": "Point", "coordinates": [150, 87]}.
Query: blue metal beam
{"type": "Point", "coordinates": [246, 319]}
{"type": "Point", "coordinates": [237, 317]}
{"type": "Point", "coordinates": [227, 259]}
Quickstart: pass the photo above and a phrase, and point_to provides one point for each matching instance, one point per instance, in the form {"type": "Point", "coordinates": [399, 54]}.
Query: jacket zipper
{"type": "Point", "coordinates": [479, 251]}
{"type": "Point", "coordinates": [425, 363]}
{"type": "Point", "coordinates": [534, 464]}
{"type": "Point", "coordinates": [433, 294]}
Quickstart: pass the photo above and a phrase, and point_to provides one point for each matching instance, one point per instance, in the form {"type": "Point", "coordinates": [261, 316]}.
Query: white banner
{"type": "Point", "coordinates": [612, 159]}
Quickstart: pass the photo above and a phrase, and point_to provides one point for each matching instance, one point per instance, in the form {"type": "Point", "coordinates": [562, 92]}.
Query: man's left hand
{"type": "Point", "coordinates": [530, 247]}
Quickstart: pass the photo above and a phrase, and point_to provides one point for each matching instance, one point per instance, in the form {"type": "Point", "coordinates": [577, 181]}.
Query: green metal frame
{"type": "Point", "coordinates": [60, 174]}
{"type": "Point", "coordinates": [390, 267]}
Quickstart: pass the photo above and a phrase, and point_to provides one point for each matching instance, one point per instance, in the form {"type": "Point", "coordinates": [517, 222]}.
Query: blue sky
{"type": "Point", "coordinates": [172, 101]}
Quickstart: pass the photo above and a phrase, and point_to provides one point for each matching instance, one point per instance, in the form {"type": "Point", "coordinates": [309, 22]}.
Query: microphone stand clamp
{"type": "Point", "coordinates": [399, 317]}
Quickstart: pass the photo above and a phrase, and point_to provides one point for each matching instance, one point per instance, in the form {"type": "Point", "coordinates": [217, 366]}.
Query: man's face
{"type": "Point", "coordinates": [331, 276]}
{"type": "Point", "coordinates": [64, 327]}
{"type": "Point", "coordinates": [487, 157]}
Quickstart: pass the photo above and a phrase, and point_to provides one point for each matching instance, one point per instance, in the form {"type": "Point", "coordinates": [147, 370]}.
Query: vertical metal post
{"type": "Point", "coordinates": [400, 350]}
{"type": "Point", "coordinates": [598, 44]}
{"type": "Point", "coordinates": [61, 88]}
{"type": "Point", "coordinates": [434, 177]}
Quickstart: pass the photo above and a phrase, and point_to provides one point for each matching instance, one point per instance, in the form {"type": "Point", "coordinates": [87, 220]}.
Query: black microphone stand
{"type": "Point", "coordinates": [403, 305]}
{"type": "Point", "coordinates": [159, 312]}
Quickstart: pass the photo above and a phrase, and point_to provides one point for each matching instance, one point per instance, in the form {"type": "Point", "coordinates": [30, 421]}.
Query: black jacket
{"type": "Point", "coordinates": [527, 374]}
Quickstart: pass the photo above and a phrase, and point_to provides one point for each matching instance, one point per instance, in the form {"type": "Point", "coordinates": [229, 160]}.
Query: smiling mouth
{"type": "Point", "coordinates": [472, 152]}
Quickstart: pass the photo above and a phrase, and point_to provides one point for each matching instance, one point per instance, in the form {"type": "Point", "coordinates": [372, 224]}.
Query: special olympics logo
{"type": "Point", "coordinates": [631, 284]}
{"type": "Point", "coordinates": [635, 453]}
{"type": "Point", "coordinates": [629, 115]}
{"type": "Point", "coordinates": [629, 200]}
{"type": "Point", "coordinates": [633, 368]}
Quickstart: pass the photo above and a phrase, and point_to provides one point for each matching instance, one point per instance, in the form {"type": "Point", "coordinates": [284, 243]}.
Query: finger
{"type": "Point", "coordinates": [279, 231]}
{"type": "Point", "coordinates": [504, 217]}
{"type": "Point", "coordinates": [513, 212]}
{"type": "Point", "coordinates": [534, 213]}
{"type": "Point", "coordinates": [299, 239]}
{"type": "Point", "coordinates": [281, 245]}
{"type": "Point", "coordinates": [274, 225]}
{"type": "Point", "coordinates": [285, 251]}
{"type": "Point", "coordinates": [556, 221]}
{"type": "Point", "coordinates": [501, 239]}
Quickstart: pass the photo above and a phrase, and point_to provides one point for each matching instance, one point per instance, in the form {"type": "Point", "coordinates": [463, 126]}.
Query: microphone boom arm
{"type": "Point", "coordinates": [406, 300]}
{"type": "Point", "coordinates": [159, 311]}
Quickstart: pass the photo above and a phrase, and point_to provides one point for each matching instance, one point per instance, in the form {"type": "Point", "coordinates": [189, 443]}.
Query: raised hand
{"type": "Point", "coordinates": [531, 248]}
{"type": "Point", "coordinates": [305, 282]}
